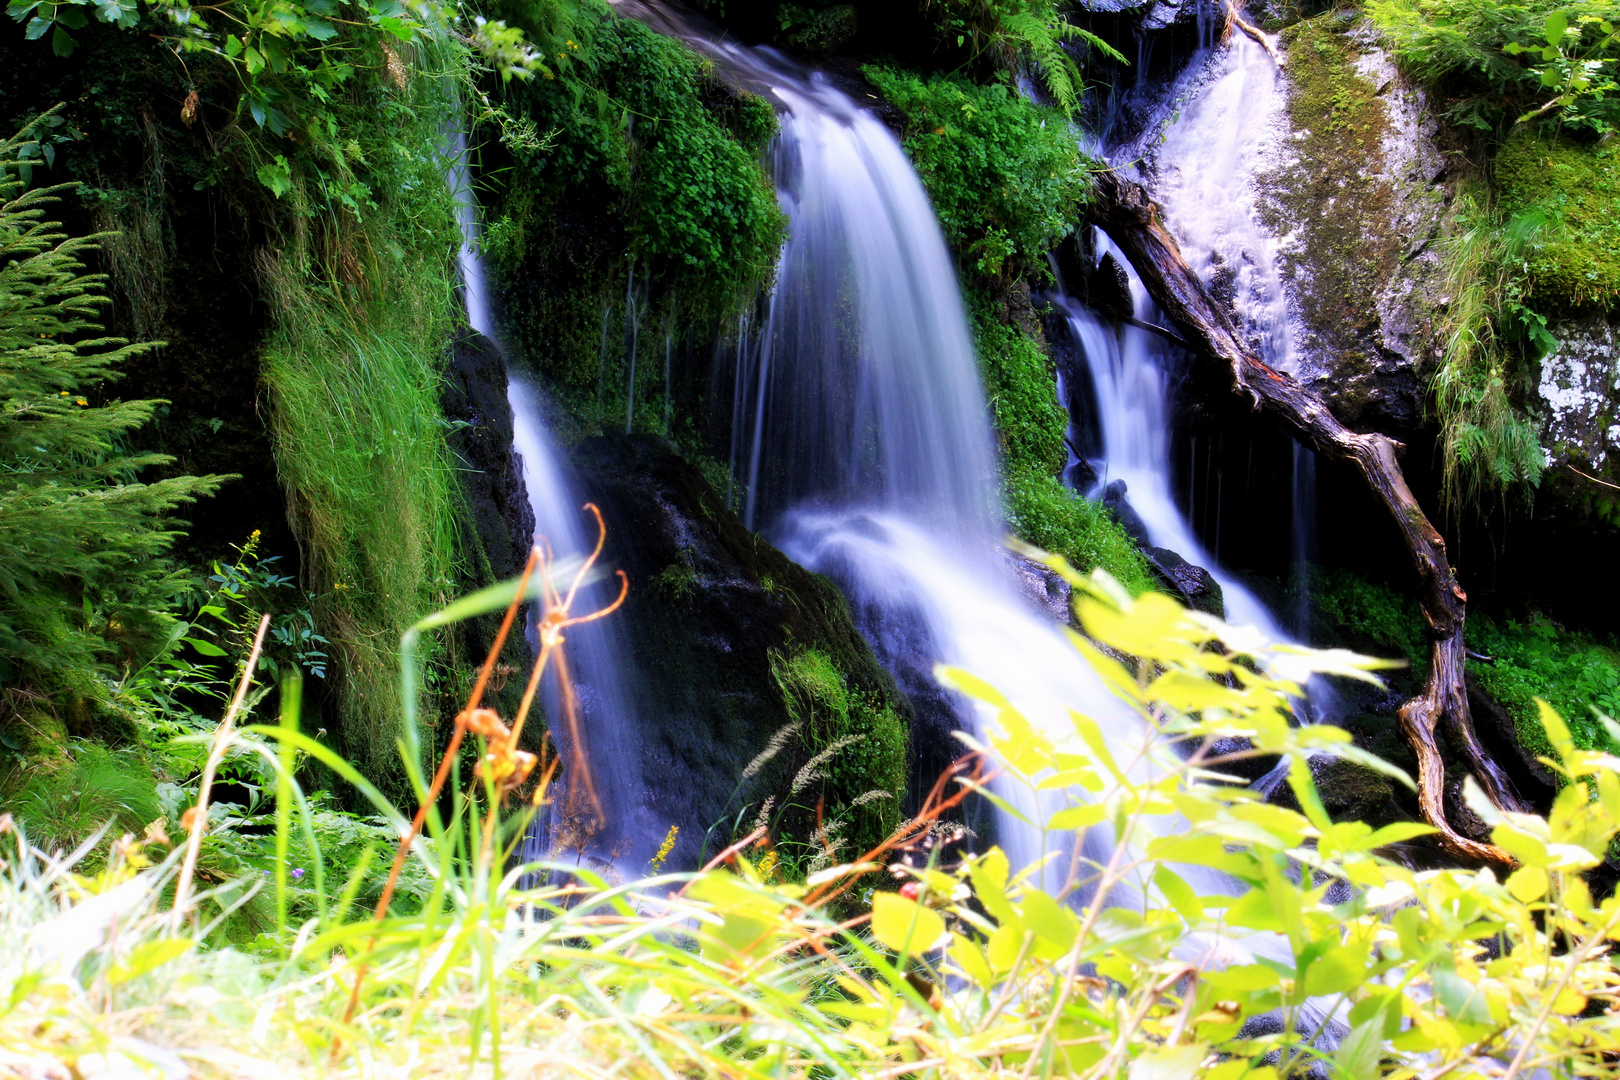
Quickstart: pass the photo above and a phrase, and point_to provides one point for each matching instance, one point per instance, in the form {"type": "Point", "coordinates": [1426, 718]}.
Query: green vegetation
{"type": "Point", "coordinates": [84, 578]}
{"type": "Point", "coordinates": [1014, 33]}
{"type": "Point", "coordinates": [849, 745]}
{"type": "Point", "coordinates": [1488, 444]}
{"type": "Point", "coordinates": [635, 171]}
{"type": "Point", "coordinates": [1533, 659]}
{"type": "Point", "coordinates": [725, 973]}
{"type": "Point", "coordinates": [1030, 426]}
{"type": "Point", "coordinates": [1570, 190]}
{"type": "Point", "coordinates": [1498, 64]}
{"type": "Point", "coordinates": [66, 798]}
{"type": "Point", "coordinates": [1006, 176]}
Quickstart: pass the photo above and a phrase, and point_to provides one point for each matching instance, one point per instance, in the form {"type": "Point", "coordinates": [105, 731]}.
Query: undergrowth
{"type": "Point", "coordinates": [354, 369]}
{"type": "Point", "coordinates": [1534, 658]}
{"type": "Point", "coordinates": [1488, 445]}
{"type": "Point", "coordinates": [1005, 175]}
{"type": "Point", "coordinates": [1155, 923]}
{"type": "Point", "coordinates": [844, 743]}
{"type": "Point", "coordinates": [634, 177]}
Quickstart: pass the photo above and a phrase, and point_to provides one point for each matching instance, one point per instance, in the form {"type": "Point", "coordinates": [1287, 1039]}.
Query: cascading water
{"type": "Point", "coordinates": [1204, 172]}
{"type": "Point", "coordinates": [1129, 374]}
{"type": "Point", "coordinates": [604, 820]}
{"type": "Point", "coordinates": [863, 436]}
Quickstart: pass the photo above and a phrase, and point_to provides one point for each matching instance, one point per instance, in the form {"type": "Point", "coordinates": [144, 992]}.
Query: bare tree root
{"type": "Point", "coordinates": [1233, 18]}
{"type": "Point", "coordinates": [1133, 221]}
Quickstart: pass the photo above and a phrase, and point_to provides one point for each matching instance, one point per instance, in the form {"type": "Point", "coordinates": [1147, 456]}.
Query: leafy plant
{"type": "Point", "coordinates": [1498, 64]}
{"type": "Point", "coordinates": [1170, 924]}
{"type": "Point", "coordinates": [1012, 33]}
{"type": "Point", "coordinates": [83, 579]}
{"type": "Point", "coordinates": [1006, 176]}
{"type": "Point", "coordinates": [1488, 445]}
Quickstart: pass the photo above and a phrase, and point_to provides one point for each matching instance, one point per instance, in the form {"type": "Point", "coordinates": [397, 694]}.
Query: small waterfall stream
{"type": "Point", "coordinates": [1204, 170]}
{"type": "Point", "coordinates": [624, 835]}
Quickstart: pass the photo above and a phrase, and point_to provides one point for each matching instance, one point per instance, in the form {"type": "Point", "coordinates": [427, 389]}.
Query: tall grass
{"type": "Point", "coordinates": [1488, 445]}
{"type": "Point", "coordinates": [354, 370]}
{"type": "Point", "coordinates": [1358, 967]}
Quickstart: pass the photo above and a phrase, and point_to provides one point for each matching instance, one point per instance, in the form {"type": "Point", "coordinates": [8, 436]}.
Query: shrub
{"type": "Point", "coordinates": [1006, 175]}
{"type": "Point", "coordinates": [1201, 933]}
{"type": "Point", "coordinates": [83, 575]}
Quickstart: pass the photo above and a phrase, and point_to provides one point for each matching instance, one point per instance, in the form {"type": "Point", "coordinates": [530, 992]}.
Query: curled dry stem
{"type": "Point", "coordinates": [504, 764]}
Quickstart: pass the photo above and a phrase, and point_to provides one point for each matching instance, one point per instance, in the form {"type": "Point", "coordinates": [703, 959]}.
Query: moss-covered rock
{"type": "Point", "coordinates": [1569, 191]}
{"type": "Point", "coordinates": [1357, 194]}
{"type": "Point", "coordinates": [734, 642]}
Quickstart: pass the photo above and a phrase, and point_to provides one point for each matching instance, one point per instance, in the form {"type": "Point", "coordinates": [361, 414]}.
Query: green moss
{"type": "Point", "coordinates": [649, 167]}
{"type": "Point", "coordinates": [865, 778]}
{"type": "Point", "coordinates": [1332, 194]}
{"type": "Point", "coordinates": [1574, 673]}
{"type": "Point", "coordinates": [1030, 423]}
{"type": "Point", "coordinates": [1572, 189]}
{"type": "Point", "coordinates": [1368, 616]}
{"type": "Point", "coordinates": [1006, 175]}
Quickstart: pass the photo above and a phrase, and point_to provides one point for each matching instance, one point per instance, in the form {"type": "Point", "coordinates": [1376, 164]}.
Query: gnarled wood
{"type": "Point", "coordinates": [1133, 222]}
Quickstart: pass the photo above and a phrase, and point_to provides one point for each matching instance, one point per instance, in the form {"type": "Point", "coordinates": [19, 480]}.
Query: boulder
{"type": "Point", "coordinates": [715, 616]}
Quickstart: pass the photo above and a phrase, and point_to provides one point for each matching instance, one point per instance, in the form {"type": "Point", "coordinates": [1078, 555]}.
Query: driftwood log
{"type": "Point", "coordinates": [1133, 221]}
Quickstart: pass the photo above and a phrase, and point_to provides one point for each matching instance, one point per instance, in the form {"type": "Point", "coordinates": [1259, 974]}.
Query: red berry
{"type": "Point", "coordinates": [910, 890]}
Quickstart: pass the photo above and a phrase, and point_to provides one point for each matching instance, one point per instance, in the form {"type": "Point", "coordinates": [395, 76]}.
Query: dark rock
{"type": "Point", "coordinates": [1113, 499]}
{"type": "Point", "coordinates": [1109, 290]}
{"type": "Point", "coordinates": [1042, 586]}
{"type": "Point", "coordinates": [498, 523]}
{"type": "Point", "coordinates": [1193, 584]}
{"type": "Point", "coordinates": [474, 400]}
{"type": "Point", "coordinates": [709, 603]}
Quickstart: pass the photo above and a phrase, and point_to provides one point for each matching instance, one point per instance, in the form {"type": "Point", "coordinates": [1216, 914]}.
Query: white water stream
{"type": "Point", "coordinates": [623, 833]}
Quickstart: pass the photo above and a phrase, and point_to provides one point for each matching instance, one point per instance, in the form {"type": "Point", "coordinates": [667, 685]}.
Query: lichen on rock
{"type": "Point", "coordinates": [1358, 196]}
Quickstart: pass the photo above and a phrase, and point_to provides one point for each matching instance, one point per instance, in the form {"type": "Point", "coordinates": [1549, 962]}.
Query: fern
{"type": "Point", "coordinates": [1019, 32]}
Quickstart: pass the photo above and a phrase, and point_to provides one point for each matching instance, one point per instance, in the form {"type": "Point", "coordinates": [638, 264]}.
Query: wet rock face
{"type": "Point", "coordinates": [474, 399]}
{"type": "Point", "coordinates": [709, 602]}
{"type": "Point", "coordinates": [499, 523]}
{"type": "Point", "coordinates": [1580, 395]}
{"type": "Point", "coordinates": [1357, 197]}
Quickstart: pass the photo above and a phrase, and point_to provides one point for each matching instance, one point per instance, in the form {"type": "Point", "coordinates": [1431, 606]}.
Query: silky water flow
{"type": "Point", "coordinates": [615, 833]}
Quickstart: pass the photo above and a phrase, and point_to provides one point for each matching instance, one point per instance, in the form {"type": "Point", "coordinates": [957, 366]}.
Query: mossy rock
{"type": "Point", "coordinates": [734, 642]}
{"type": "Point", "coordinates": [1357, 192]}
{"type": "Point", "coordinates": [1569, 190]}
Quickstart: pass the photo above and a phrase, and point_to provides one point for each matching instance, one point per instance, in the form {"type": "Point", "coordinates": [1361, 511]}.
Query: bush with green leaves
{"type": "Point", "coordinates": [1200, 933]}
{"type": "Point", "coordinates": [84, 582]}
{"type": "Point", "coordinates": [636, 171]}
{"type": "Point", "coordinates": [1020, 35]}
{"type": "Point", "coordinates": [1006, 175]}
{"type": "Point", "coordinates": [1495, 64]}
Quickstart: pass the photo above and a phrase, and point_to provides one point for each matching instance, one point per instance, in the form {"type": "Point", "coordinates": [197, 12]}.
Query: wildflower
{"type": "Point", "coordinates": [298, 872]}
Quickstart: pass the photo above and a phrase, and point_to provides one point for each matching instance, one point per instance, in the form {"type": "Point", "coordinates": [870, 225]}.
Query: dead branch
{"type": "Point", "coordinates": [1133, 221]}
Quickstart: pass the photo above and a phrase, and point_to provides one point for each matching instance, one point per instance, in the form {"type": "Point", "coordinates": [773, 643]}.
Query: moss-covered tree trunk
{"type": "Point", "coordinates": [1133, 221]}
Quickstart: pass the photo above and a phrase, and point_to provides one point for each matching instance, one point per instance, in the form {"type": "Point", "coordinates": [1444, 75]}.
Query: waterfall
{"type": "Point", "coordinates": [623, 834]}
{"type": "Point", "coordinates": [1129, 370]}
{"type": "Point", "coordinates": [1204, 172]}
{"type": "Point", "coordinates": [599, 666]}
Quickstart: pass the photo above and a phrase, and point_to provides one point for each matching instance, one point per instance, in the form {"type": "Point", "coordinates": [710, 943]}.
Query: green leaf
{"type": "Point", "coordinates": [1170, 1062]}
{"type": "Point", "coordinates": [905, 925]}
{"type": "Point", "coordinates": [1557, 23]}
{"type": "Point", "coordinates": [1358, 1055]}
{"type": "Point", "coordinates": [148, 957]}
{"type": "Point", "coordinates": [207, 648]}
